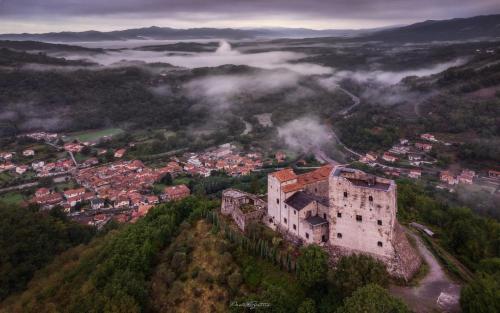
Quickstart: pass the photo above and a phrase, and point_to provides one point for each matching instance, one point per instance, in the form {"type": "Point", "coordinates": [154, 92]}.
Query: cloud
{"type": "Point", "coordinates": [392, 78]}
{"type": "Point", "coordinates": [219, 90]}
{"type": "Point", "coordinates": [162, 90]}
{"type": "Point", "coordinates": [304, 133]}
{"type": "Point", "coordinates": [223, 55]}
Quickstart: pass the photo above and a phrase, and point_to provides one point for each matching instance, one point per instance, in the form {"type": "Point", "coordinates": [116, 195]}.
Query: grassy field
{"type": "Point", "coordinates": [94, 135]}
{"type": "Point", "coordinates": [181, 180]}
{"type": "Point", "coordinates": [11, 198]}
{"type": "Point", "coordinates": [5, 177]}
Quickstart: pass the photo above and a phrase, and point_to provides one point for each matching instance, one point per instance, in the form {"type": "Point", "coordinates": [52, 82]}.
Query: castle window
{"type": "Point", "coordinates": [295, 212]}
{"type": "Point", "coordinates": [284, 220]}
{"type": "Point", "coordinates": [370, 198]}
{"type": "Point", "coordinates": [307, 235]}
{"type": "Point", "coordinates": [285, 206]}
{"type": "Point", "coordinates": [294, 227]}
{"type": "Point", "coordinates": [379, 243]}
{"type": "Point", "coordinates": [324, 216]}
{"type": "Point", "coordinates": [359, 218]}
{"type": "Point", "coordinates": [339, 235]}
{"type": "Point", "coordinates": [315, 189]}
{"type": "Point", "coordinates": [345, 194]}
{"type": "Point", "coordinates": [379, 222]}
{"type": "Point", "coordinates": [339, 214]}
{"type": "Point", "coordinates": [278, 201]}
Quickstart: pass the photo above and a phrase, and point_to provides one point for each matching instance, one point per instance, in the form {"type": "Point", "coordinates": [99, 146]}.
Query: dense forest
{"type": "Point", "coordinates": [29, 240]}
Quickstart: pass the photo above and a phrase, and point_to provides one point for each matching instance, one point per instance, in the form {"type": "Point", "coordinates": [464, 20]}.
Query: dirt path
{"type": "Point", "coordinates": [435, 292]}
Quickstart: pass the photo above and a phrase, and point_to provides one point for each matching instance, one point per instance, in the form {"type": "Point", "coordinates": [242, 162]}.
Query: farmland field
{"type": "Point", "coordinates": [94, 135]}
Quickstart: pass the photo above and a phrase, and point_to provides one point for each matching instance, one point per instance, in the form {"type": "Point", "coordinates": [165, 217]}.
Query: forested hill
{"type": "Point", "coordinates": [29, 240]}
{"type": "Point", "coordinates": [183, 256]}
{"type": "Point", "coordinates": [47, 47]}
{"type": "Point", "coordinates": [15, 58]}
{"type": "Point", "coordinates": [487, 26]}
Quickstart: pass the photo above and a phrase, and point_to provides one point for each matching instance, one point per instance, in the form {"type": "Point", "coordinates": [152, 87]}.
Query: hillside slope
{"type": "Point", "coordinates": [487, 26]}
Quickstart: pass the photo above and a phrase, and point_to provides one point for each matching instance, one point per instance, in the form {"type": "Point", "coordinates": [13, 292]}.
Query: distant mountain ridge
{"type": "Point", "coordinates": [166, 33]}
{"type": "Point", "coordinates": [486, 26]}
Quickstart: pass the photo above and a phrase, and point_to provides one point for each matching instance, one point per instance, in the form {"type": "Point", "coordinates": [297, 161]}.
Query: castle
{"type": "Point", "coordinates": [342, 209]}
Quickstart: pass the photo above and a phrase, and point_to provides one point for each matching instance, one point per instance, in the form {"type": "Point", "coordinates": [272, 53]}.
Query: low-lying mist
{"type": "Point", "coordinates": [219, 90]}
{"type": "Point", "coordinates": [392, 78]}
{"type": "Point", "coordinates": [222, 56]}
{"type": "Point", "coordinates": [304, 134]}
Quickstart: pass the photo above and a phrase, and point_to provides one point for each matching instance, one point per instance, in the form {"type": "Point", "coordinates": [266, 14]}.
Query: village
{"type": "Point", "coordinates": [413, 159]}
{"type": "Point", "coordinates": [94, 192]}
{"type": "Point", "coordinates": [106, 184]}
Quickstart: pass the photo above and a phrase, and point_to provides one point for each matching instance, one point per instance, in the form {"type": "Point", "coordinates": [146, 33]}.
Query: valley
{"type": "Point", "coordinates": [118, 150]}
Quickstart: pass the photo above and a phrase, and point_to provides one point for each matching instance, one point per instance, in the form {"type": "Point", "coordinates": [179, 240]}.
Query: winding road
{"type": "Point", "coordinates": [435, 292]}
{"type": "Point", "coordinates": [354, 98]}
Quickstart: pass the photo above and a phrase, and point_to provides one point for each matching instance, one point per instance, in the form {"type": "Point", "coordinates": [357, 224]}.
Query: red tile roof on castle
{"type": "Point", "coordinates": [284, 175]}
{"type": "Point", "coordinates": [319, 174]}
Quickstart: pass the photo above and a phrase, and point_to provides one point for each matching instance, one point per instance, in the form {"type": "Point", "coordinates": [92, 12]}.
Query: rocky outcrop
{"type": "Point", "coordinates": [407, 260]}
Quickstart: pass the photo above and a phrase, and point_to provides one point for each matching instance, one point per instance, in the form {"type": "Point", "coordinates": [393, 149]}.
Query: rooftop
{"type": "Point", "coordinates": [316, 220]}
{"type": "Point", "coordinates": [361, 179]}
{"type": "Point", "coordinates": [319, 174]}
{"type": "Point", "coordinates": [299, 200]}
{"type": "Point", "coordinates": [316, 175]}
{"type": "Point", "coordinates": [284, 175]}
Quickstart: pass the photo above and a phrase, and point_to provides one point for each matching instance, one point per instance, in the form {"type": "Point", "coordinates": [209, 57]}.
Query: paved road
{"type": "Point", "coordinates": [355, 99]}
{"type": "Point", "coordinates": [248, 127]}
{"type": "Point", "coordinates": [318, 152]}
{"type": "Point", "coordinates": [435, 292]}
{"type": "Point", "coordinates": [19, 187]}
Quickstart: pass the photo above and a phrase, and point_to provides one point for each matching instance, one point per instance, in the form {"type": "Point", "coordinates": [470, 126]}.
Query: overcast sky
{"type": "Point", "coordinates": [75, 15]}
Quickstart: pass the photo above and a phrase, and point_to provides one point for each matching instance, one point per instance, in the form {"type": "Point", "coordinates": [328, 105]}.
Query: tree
{"type": "Point", "coordinates": [254, 185]}
{"type": "Point", "coordinates": [482, 295]}
{"type": "Point", "coordinates": [372, 298]}
{"type": "Point", "coordinates": [30, 240]}
{"type": "Point", "coordinates": [279, 300]}
{"type": "Point", "coordinates": [312, 265]}
{"type": "Point", "coordinates": [234, 280]}
{"type": "Point", "coordinates": [307, 306]}
{"type": "Point", "coordinates": [86, 150]}
{"type": "Point", "coordinates": [167, 179]}
{"type": "Point", "coordinates": [356, 271]}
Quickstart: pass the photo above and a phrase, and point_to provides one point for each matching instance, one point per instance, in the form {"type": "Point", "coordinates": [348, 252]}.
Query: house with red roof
{"type": "Point", "coordinates": [178, 192]}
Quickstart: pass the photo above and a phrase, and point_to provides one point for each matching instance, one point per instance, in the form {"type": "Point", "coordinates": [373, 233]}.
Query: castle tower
{"type": "Point", "coordinates": [364, 208]}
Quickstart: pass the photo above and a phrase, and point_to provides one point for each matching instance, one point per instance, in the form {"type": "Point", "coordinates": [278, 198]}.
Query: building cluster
{"type": "Point", "coordinates": [7, 164]}
{"type": "Point", "coordinates": [124, 183]}
{"type": "Point", "coordinates": [223, 158]}
{"type": "Point", "coordinates": [47, 198]}
{"type": "Point", "coordinates": [465, 177]}
{"type": "Point", "coordinates": [125, 186]}
{"type": "Point", "coordinates": [342, 209]}
{"type": "Point", "coordinates": [414, 153]}
{"type": "Point", "coordinates": [41, 136]}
